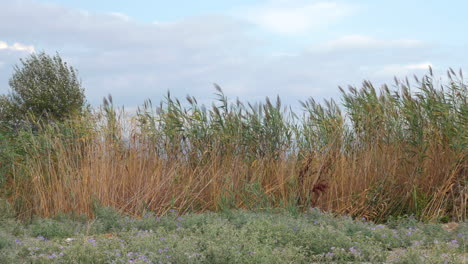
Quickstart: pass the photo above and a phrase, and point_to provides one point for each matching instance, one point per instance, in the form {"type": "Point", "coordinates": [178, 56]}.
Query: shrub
{"type": "Point", "coordinates": [108, 218]}
{"type": "Point", "coordinates": [43, 87]}
{"type": "Point", "coordinates": [47, 229]}
{"type": "Point", "coordinates": [5, 240]}
{"type": "Point", "coordinates": [6, 211]}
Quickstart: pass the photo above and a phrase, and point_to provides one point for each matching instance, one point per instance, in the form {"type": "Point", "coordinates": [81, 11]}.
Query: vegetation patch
{"type": "Point", "coordinates": [379, 153]}
{"type": "Point", "coordinates": [231, 237]}
{"type": "Point", "coordinates": [169, 183]}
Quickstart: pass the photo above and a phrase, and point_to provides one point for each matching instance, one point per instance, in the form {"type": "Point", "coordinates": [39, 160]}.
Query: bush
{"type": "Point", "coordinates": [47, 229]}
{"type": "Point", "coordinates": [6, 211]}
{"type": "Point", "coordinates": [108, 218]}
{"type": "Point", "coordinates": [43, 87]}
{"type": "Point", "coordinates": [5, 240]}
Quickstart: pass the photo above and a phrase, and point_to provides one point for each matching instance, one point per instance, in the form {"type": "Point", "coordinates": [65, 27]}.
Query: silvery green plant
{"type": "Point", "coordinates": [43, 87]}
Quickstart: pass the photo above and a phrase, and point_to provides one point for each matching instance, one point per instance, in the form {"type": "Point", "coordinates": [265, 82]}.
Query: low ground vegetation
{"type": "Point", "coordinates": [273, 236]}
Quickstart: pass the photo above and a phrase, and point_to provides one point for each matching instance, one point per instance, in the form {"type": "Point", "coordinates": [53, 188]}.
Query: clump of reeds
{"type": "Point", "coordinates": [382, 153]}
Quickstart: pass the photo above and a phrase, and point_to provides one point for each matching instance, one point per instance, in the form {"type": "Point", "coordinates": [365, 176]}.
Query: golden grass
{"type": "Point", "coordinates": [372, 162]}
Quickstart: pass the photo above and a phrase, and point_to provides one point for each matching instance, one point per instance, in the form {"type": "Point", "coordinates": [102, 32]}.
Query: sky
{"type": "Point", "coordinates": [140, 49]}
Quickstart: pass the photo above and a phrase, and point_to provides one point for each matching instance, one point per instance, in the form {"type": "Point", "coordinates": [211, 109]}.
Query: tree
{"type": "Point", "coordinates": [43, 87]}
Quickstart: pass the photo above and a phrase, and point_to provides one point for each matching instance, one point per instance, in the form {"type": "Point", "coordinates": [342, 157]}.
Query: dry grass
{"type": "Point", "coordinates": [388, 154]}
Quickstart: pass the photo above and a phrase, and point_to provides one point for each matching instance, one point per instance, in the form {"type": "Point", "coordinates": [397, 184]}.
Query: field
{"type": "Point", "coordinates": [229, 237]}
{"type": "Point", "coordinates": [399, 151]}
{"type": "Point", "coordinates": [234, 182]}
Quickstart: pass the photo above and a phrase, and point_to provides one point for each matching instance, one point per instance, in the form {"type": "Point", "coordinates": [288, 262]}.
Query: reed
{"type": "Point", "coordinates": [378, 153]}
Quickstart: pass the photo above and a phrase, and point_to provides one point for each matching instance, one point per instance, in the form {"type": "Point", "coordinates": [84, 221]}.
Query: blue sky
{"type": "Point", "coordinates": [295, 48]}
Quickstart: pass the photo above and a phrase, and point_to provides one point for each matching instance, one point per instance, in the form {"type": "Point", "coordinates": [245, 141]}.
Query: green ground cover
{"type": "Point", "coordinates": [228, 237]}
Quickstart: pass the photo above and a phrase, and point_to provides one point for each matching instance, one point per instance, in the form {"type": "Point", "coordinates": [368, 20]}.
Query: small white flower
{"type": "Point", "coordinates": [68, 240]}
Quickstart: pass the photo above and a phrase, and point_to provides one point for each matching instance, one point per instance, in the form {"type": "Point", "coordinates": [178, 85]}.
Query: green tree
{"type": "Point", "coordinates": [44, 87]}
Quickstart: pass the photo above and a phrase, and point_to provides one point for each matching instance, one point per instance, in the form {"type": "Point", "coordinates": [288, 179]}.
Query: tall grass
{"type": "Point", "coordinates": [392, 152]}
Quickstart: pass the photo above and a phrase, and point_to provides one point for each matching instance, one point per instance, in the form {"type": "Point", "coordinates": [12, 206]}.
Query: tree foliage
{"type": "Point", "coordinates": [43, 87]}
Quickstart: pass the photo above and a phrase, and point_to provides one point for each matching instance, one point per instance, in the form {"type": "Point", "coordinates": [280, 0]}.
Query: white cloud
{"type": "Point", "coordinates": [402, 69]}
{"type": "Point", "coordinates": [293, 17]}
{"type": "Point", "coordinates": [134, 61]}
{"type": "Point", "coordinates": [121, 16]}
{"type": "Point", "coordinates": [16, 47]}
{"type": "Point", "coordinates": [365, 42]}
{"type": "Point", "coordinates": [21, 47]}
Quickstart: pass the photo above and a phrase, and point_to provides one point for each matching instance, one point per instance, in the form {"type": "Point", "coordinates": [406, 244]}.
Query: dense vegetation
{"type": "Point", "coordinates": [43, 88]}
{"type": "Point", "coordinates": [379, 153]}
{"type": "Point", "coordinates": [228, 237]}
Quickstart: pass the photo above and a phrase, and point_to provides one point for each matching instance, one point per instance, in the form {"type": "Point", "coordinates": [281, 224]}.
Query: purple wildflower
{"type": "Point", "coordinates": [354, 251]}
{"type": "Point", "coordinates": [416, 243]}
{"type": "Point", "coordinates": [454, 243]}
{"type": "Point", "coordinates": [42, 238]}
{"type": "Point", "coordinates": [92, 241]}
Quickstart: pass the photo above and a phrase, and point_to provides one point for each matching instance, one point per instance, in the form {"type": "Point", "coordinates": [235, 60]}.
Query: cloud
{"type": "Point", "coordinates": [16, 47]}
{"type": "Point", "coordinates": [356, 41]}
{"type": "Point", "coordinates": [121, 16]}
{"type": "Point", "coordinates": [297, 17]}
{"type": "Point", "coordinates": [135, 61]}
{"type": "Point", "coordinates": [9, 54]}
{"type": "Point", "coordinates": [402, 69]}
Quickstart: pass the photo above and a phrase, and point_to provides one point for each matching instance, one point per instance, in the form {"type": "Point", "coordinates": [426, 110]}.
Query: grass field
{"type": "Point", "coordinates": [229, 237]}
